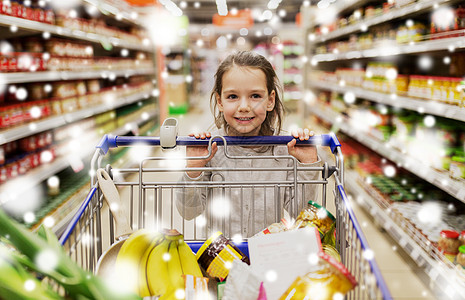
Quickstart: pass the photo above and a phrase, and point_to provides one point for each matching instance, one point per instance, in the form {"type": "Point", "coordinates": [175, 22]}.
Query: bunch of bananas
{"type": "Point", "coordinates": [153, 263]}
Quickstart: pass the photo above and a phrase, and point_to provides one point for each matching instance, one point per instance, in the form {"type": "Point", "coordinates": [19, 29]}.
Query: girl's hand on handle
{"type": "Point", "coordinates": [304, 153]}
{"type": "Point", "coordinates": [199, 151]}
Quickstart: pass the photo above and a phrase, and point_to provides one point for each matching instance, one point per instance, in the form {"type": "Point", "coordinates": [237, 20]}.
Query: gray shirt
{"type": "Point", "coordinates": [244, 199]}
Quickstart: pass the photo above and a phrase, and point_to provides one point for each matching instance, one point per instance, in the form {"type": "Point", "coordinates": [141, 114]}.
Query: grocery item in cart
{"type": "Point", "coordinates": [284, 225]}
{"type": "Point", "coordinates": [166, 266]}
{"type": "Point", "coordinates": [312, 216]}
{"type": "Point", "coordinates": [331, 251]}
{"type": "Point", "coordinates": [129, 259]}
{"type": "Point", "coordinates": [315, 215]}
{"type": "Point", "coordinates": [217, 254]}
{"type": "Point", "coordinates": [106, 262]}
{"type": "Point", "coordinates": [242, 283]}
{"type": "Point", "coordinates": [327, 279]}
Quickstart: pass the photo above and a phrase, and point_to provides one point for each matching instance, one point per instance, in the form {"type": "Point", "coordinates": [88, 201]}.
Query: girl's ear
{"type": "Point", "coordinates": [218, 101]}
{"type": "Point", "coordinates": [271, 101]}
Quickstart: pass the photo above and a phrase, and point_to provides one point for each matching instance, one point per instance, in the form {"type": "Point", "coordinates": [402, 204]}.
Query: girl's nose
{"type": "Point", "coordinates": [244, 104]}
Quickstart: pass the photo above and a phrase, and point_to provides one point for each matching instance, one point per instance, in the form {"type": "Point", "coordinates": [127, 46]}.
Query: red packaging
{"type": "Point", "coordinates": [47, 155]}
{"type": "Point", "coordinates": [4, 117]}
{"type": "Point", "coordinates": [17, 115]}
{"type": "Point", "coordinates": [39, 15]}
{"type": "Point", "coordinates": [30, 13]}
{"type": "Point", "coordinates": [4, 62]}
{"type": "Point", "coordinates": [16, 10]}
{"type": "Point", "coordinates": [2, 154]}
{"type": "Point", "coordinates": [5, 8]}
{"type": "Point", "coordinates": [12, 170]}
{"type": "Point", "coordinates": [3, 175]}
{"type": "Point", "coordinates": [28, 144]}
{"type": "Point", "coordinates": [26, 107]}
{"type": "Point", "coordinates": [46, 108]}
{"type": "Point", "coordinates": [40, 140]}
{"type": "Point", "coordinates": [12, 64]}
{"type": "Point", "coordinates": [24, 164]}
{"type": "Point", "coordinates": [34, 159]}
{"type": "Point", "coordinates": [49, 17]}
{"type": "Point", "coordinates": [22, 11]}
{"type": "Point", "coordinates": [48, 137]}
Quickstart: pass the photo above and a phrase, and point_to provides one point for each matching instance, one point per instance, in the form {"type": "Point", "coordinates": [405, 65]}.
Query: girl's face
{"type": "Point", "coordinates": [245, 100]}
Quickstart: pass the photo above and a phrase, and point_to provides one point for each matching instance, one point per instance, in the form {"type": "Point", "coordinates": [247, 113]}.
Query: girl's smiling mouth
{"type": "Point", "coordinates": [244, 119]}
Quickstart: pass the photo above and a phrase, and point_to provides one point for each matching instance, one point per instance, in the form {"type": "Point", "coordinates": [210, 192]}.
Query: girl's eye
{"type": "Point", "coordinates": [231, 97]}
{"type": "Point", "coordinates": [256, 96]}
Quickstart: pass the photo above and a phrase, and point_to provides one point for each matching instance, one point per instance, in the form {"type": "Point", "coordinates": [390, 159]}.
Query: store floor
{"type": "Point", "coordinates": [404, 279]}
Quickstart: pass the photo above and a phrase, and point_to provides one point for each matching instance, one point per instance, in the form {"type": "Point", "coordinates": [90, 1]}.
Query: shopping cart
{"type": "Point", "coordinates": [151, 202]}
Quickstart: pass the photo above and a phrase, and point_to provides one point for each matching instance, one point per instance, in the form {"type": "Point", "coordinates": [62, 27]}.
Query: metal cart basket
{"type": "Point", "coordinates": [151, 203]}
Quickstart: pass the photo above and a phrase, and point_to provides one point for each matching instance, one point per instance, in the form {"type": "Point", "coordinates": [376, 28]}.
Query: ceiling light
{"type": "Point", "coordinates": [171, 7]}
{"type": "Point", "coordinates": [267, 15]}
{"type": "Point", "coordinates": [243, 31]}
{"type": "Point", "coordinates": [222, 7]}
{"type": "Point", "coordinates": [268, 31]}
{"type": "Point", "coordinates": [273, 4]}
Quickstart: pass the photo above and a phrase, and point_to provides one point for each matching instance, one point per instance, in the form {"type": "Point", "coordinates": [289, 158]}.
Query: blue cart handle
{"type": "Point", "coordinates": [109, 141]}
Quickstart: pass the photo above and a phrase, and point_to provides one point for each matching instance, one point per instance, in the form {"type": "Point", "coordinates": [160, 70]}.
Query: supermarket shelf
{"type": "Point", "coordinates": [342, 5]}
{"type": "Point", "coordinates": [23, 77]}
{"type": "Point", "coordinates": [445, 44]}
{"type": "Point", "coordinates": [435, 177]}
{"type": "Point", "coordinates": [57, 121]}
{"type": "Point", "coordinates": [414, 8]}
{"type": "Point", "coordinates": [70, 33]}
{"type": "Point", "coordinates": [422, 106]}
{"type": "Point", "coordinates": [442, 274]}
{"type": "Point", "coordinates": [39, 174]}
{"type": "Point", "coordinates": [120, 10]}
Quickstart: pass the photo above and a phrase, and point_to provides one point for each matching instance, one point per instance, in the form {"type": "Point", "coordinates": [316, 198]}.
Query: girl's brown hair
{"type": "Point", "coordinates": [273, 122]}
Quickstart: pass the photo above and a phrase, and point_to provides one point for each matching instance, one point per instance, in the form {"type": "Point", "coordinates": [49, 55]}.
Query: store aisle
{"type": "Point", "coordinates": [402, 276]}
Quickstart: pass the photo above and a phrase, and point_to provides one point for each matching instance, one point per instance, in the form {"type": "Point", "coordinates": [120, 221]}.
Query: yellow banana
{"type": "Point", "coordinates": [144, 290]}
{"type": "Point", "coordinates": [189, 263]}
{"type": "Point", "coordinates": [170, 295]}
{"type": "Point", "coordinates": [129, 257]}
{"type": "Point", "coordinates": [157, 269]}
{"type": "Point", "coordinates": [174, 264]}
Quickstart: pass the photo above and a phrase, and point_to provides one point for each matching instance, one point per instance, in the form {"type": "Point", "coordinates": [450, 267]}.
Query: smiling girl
{"type": "Point", "coordinates": [246, 102]}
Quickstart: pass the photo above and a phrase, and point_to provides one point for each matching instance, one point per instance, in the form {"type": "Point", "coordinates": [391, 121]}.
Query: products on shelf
{"type": "Point", "coordinates": [381, 49]}
{"type": "Point", "coordinates": [23, 163]}
{"type": "Point", "coordinates": [383, 78]}
{"type": "Point", "coordinates": [449, 244]}
{"type": "Point", "coordinates": [63, 97]}
{"type": "Point", "coordinates": [443, 23]}
{"type": "Point", "coordinates": [433, 213]}
{"type": "Point", "coordinates": [37, 11]}
{"type": "Point", "coordinates": [460, 259]}
{"type": "Point", "coordinates": [18, 157]}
